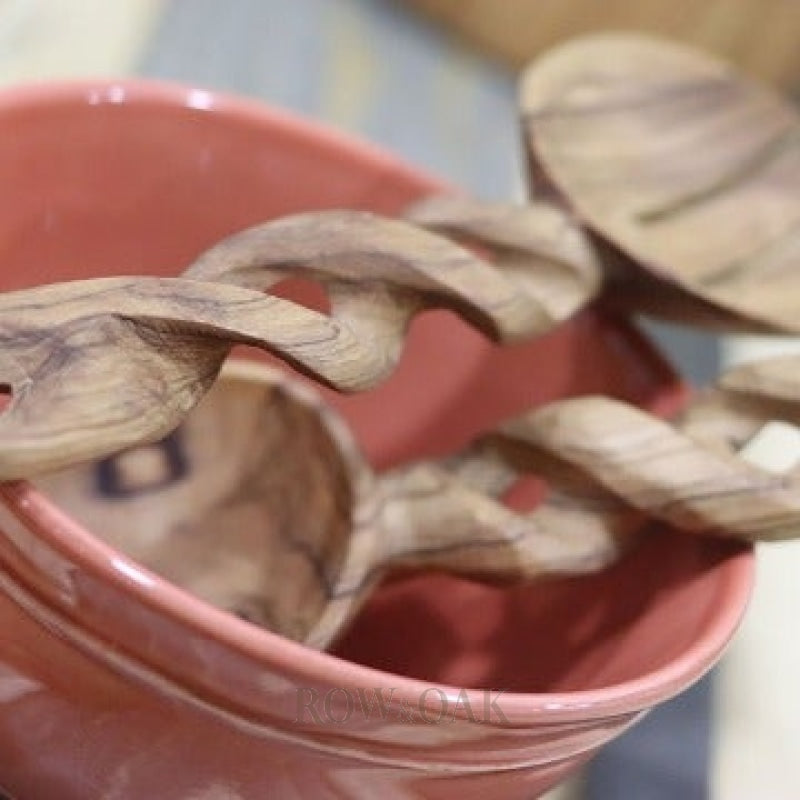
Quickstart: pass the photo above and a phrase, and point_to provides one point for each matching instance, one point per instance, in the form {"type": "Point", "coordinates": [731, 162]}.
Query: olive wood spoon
{"type": "Point", "coordinates": [262, 503]}
{"type": "Point", "coordinates": [686, 172]}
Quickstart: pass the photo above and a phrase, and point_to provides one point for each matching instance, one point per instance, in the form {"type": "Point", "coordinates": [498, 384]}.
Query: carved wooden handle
{"type": "Point", "coordinates": [611, 468]}
{"type": "Point", "coordinates": [96, 366]}
{"type": "Point", "coordinates": [297, 543]}
{"type": "Point", "coordinates": [99, 365]}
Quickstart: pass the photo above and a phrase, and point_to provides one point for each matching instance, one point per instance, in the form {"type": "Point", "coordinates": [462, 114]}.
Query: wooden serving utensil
{"type": "Point", "coordinates": [654, 148]}
{"type": "Point", "coordinates": [261, 503]}
{"type": "Point", "coordinates": [686, 172]}
{"type": "Point", "coordinates": [98, 365]}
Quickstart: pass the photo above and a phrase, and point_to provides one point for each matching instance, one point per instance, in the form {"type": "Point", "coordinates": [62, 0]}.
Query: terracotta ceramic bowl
{"type": "Point", "coordinates": [115, 683]}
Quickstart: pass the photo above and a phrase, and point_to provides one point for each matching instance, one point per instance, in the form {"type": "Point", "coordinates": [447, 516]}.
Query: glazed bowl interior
{"type": "Point", "coordinates": [136, 179]}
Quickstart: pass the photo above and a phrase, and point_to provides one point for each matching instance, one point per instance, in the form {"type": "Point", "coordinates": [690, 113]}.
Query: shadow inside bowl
{"type": "Point", "coordinates": [558, 635]}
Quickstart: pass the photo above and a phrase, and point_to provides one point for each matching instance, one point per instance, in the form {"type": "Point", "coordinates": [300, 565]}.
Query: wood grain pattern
{"type": "Point", "coordinates": [99, 365]}
{"type": "Point", "coordinates": [685, 175]}
{"type": "Point", "coordinates": [690, 478]}
{"type": "Point", "coordinates": [279, 520]}
{"type": "Point", "coordinates": [261, 521]}
{"type": "Point", "coordinates": [686, 171]}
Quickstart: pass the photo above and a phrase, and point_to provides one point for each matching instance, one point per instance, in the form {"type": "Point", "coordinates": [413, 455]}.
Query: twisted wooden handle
{"type": "Point", "coordinates": [99, 365]}
{"type": "Point", "coordinates": [96, 366]}
{"type": "Point", "coordinates": [688, 475]}
{"type": "Point", "coordinates": [612, 468]}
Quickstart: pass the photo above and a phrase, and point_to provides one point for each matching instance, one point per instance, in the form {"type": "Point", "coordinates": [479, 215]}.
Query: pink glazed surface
{"type": "Point", "coordinates": [116, 684]}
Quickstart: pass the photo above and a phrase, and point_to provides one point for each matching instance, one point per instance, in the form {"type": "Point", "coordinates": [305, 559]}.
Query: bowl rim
{"type": "Point", "coordinates": [93, 555]}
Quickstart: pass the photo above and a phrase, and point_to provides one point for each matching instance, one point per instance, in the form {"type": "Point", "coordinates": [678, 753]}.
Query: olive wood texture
{"type": "Point", "coordinates": [683, 172]}
{"type": "Point", "coordinates": [98, 365]}
{"type": "Point", "coordinates": [686, 172]}
{"type": "Point", "coordinates": [261, 503]}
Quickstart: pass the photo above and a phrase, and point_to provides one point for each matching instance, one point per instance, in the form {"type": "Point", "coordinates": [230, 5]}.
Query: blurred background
{"type": "Point", "coordinates": [434, 81]}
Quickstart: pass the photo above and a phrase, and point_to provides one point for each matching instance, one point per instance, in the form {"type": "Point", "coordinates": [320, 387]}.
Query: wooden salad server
{"type": "Point", "coordinates": [94, 366]}
{"type": "Point", "coordinates": [686, 172]}
{"type": "Point", "coordinates": [261, 503]}
{"type": "Point", "coordinates": [684, 175]}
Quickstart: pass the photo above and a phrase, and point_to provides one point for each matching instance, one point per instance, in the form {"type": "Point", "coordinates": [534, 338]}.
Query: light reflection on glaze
{"type": "Point", "coordinates": [131, 571]}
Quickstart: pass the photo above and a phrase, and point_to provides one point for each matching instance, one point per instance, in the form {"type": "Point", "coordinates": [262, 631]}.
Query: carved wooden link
{"type": "Point", "coordinates": [99, 365]}
{"type": "Point", "coordinates": [95, 366]}
{"type": "Point", "coordinates": [612, 470]}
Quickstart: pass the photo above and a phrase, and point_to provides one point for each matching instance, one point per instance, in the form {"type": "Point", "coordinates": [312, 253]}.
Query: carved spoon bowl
{"type": "Point", "coordinates": [687, 171]}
